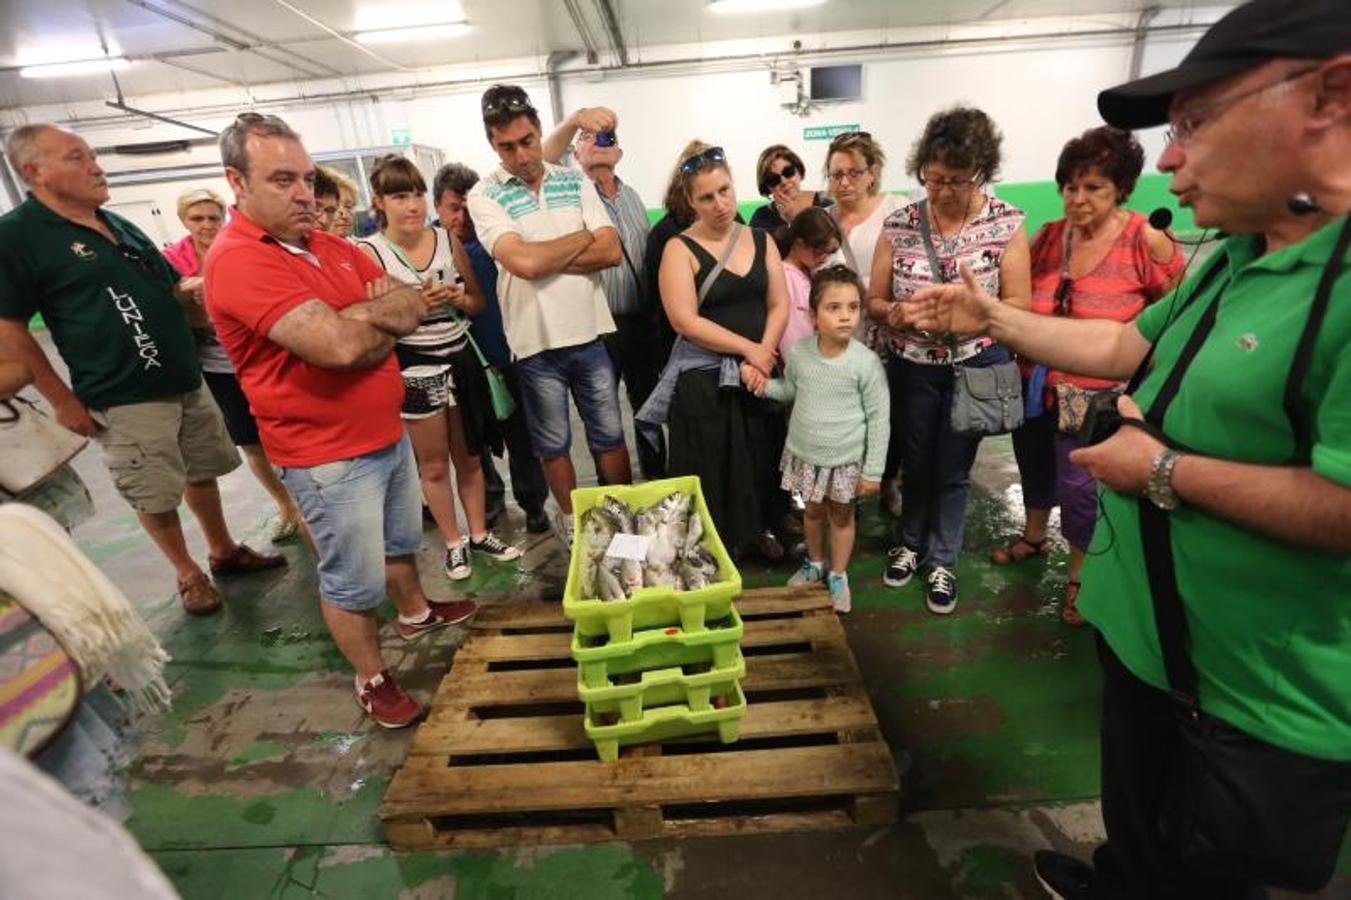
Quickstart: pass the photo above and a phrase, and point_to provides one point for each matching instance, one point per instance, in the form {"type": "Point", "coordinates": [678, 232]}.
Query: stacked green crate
{"type": "Point", "coordinates": [661, 663]}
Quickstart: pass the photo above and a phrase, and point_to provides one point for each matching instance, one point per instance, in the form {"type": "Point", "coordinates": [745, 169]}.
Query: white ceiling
{"type": "Point", "coordinates": [179, 45]}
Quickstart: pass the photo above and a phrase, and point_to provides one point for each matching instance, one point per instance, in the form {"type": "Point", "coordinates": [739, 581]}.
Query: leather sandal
{"type": "Point", "coordinates": [198, 595]}
{"type": "Point", "coordinates": [1019, 550]}
{"type": "Point", "coordinates": [1069, 613]}
{"type": "Point", "coordinates": [245, 559]}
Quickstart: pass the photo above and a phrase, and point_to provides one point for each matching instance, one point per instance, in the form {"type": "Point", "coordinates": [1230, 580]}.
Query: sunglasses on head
{"type": "Point", "coordinates": [772, 179]}
{"type": "Point", "coordinates": [845, 137]}
{"type": "Point", "coordinates": [711, 157]}
{"type": "Point", "coordinates": [510, 103]}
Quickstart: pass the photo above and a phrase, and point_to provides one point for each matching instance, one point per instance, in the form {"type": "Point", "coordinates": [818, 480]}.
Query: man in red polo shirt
{"type": "Point", "coordinates": [309, 323]}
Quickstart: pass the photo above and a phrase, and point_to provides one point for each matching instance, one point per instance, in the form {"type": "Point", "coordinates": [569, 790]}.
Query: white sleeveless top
{"type": "Point", "coordinates": [445, 330]}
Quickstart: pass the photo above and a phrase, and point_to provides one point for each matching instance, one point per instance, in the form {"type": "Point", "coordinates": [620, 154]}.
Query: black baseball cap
{"type": "Point", "coordinates": [1245, 38]}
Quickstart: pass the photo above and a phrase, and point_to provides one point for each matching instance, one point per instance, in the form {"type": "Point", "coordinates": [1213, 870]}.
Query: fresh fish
{"type": "Point", "coordinates": [694, 535]}
{"type": "Point", "coordinates": [620, 514]}
{"type": "Point", "coordinates": [594, 539]}
{"type": "Point", "coordinates": [607, 583]}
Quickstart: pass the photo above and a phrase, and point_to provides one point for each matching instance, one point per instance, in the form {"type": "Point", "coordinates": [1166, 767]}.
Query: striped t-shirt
{"type": "Point", "coordinates": [445, 329]}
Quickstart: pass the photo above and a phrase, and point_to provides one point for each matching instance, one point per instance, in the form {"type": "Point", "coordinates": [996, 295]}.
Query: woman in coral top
{"type": "Point", "coordinates": [1099, 262]}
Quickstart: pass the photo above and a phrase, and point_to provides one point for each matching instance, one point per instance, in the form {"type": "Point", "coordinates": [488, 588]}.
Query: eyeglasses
{"type": "Point", "coordinates": [951, 184]}
{"type": "Point", "coordinates": [1064, 296]}
{"type": "Point", "coordinates": [772, 179]}
{"type": "Point", "coordinates": [509, 103]}
{"type": "Point", "coordinates": [839, 176]}
{"type": "Point", "coordinates": [711, 157]}
{"type": "Point", "coordinates": [132, 255]}
{"type": "Point", "coordinates": [1186, 125]}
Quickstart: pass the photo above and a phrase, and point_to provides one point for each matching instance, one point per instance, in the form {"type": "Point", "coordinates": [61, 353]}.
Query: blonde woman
{"type": "Point", "coordinates": [202, 213]}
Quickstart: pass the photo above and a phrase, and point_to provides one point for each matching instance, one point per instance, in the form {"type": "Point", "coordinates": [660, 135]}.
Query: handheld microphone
{"type": "Point", "coordinates": [1302, 204]}
{"type": "Point", "coordinates": [1162, 217]}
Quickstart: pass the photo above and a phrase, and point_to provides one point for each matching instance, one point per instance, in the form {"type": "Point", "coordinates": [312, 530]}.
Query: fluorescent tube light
{"type": "Point", "coordinates": [412, 33]}
{"type": "Point", "coordinates": [749, 6]}
{"type": "Point", "coordinates": [75, 67]}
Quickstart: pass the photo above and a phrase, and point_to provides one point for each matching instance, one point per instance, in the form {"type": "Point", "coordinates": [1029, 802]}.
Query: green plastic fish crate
{"type": "Point", "coordinates": [648, 606]}
{"type": "Point", "coordinates": [694, 684]}
{"type": "Point", "coordinates": [666, 722]}
{"type": "Point", "coordinates": [663, 647]}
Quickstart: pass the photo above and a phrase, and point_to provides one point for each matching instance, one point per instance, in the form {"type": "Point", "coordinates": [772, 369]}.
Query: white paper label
{"type": "Point", "coordinates": [628, 546]}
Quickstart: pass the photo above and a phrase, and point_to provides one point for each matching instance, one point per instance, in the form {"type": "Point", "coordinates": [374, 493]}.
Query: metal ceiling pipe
{"type": "Point", "coordinates": [583, 31]}
{"type": "Point", "coordinates": [556, 59]}
{"type": "Point", "coordinates": [607, 15]}
{"type": "Point", "coordinates": [1138, 45]}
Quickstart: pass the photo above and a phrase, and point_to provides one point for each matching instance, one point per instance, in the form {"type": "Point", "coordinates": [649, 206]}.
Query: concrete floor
{"type": "Point", "coordinates": [263, 781]}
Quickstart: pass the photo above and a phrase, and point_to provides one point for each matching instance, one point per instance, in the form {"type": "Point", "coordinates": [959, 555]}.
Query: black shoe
{"type": "Point", "coordinates": [1063, 877]}
{"type": "Point", "coordinates": [940, 592]}
{"type": "Point", "coordinates": [902, 563]}
{"type": "Point", "coordinates": [537, 522]}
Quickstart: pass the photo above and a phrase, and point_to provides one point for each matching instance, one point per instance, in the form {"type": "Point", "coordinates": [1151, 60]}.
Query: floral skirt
{"type": "Point", "coordinates": [817, 483]}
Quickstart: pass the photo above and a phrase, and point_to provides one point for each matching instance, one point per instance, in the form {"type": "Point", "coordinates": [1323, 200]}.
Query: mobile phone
{"type": "Point", "coordinates": [605, 139]}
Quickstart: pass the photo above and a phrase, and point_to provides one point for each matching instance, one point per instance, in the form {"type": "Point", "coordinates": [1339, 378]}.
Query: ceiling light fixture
{"type": "Point", "coordinates": [728, 7]}
{"type": "Point", "coordinates": [412, 33]}
{"type": "Point", "coordinates": [75, 67]}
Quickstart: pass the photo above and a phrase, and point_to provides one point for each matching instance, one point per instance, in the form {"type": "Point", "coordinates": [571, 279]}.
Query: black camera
{"type": "Point", "coordinates": [1101, 418]}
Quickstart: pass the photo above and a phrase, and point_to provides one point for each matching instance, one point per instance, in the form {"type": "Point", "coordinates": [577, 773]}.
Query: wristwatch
{"type": "Point", "coordinates": [1159, 490]}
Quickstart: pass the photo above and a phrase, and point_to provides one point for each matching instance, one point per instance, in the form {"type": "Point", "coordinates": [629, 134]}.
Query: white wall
{"type": "Point", "coordinates": [1039, 91]}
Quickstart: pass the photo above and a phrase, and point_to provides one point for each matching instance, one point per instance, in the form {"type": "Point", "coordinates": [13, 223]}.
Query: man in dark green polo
{"type": "Point", "coordinates": [110, 301]}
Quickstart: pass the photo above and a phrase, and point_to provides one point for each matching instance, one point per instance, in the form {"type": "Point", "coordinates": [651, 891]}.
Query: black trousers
{"type": "Point", "coordinates": [1139, 731]}
{"type": "Point", "coordinates": [639, 353]}
{"type": "Point", "coordinates": [527, 477]}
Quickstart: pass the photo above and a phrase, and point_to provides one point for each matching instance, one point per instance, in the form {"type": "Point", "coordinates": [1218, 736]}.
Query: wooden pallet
{"type": "Point", "coordinates": [502, 758]}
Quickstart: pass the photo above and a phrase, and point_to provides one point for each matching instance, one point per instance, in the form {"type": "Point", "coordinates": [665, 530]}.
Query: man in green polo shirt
{"type": "Point", "coordinates": [109, 299]}
{"type": "Point", "coordinates": [1220, 568]}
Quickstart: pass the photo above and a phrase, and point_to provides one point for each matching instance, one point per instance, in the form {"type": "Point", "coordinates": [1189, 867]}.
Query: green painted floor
{"type": "Point", "coordinates": [264, 780]}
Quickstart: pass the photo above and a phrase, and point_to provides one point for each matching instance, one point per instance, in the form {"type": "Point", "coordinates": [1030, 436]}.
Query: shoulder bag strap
{"type": "Point", "coordinates": [1299, 368]}
{"type": "Point", "coordinates": [454, 313]}
{"type": "Point", "coordinates": [726, 254]}
{"type": "Point", "coordinates": [849, 259]}
{"type": "Point", "coordinates": [1155, 524]}
{"type": "Point", "coordinates": [934, 266]}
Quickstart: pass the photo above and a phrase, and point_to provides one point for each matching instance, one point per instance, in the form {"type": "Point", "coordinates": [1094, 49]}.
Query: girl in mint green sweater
{"type": "Point", "coordinates": [837, 435]}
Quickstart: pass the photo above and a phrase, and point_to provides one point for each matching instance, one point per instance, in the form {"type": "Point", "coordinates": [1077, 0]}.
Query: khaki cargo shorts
{"type": "Point", "coordinates": [153, 449]}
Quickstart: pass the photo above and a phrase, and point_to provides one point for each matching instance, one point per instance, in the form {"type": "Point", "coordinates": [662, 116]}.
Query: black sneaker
{"type": "Point", "coordinates": [940, 595]}
{"type": "Point", "coordinates": [493, 546]}
{"type": "Point", "coordinates": [901, 567]}
{"type": "Point", "coordinates": [537, 522]}
{"type": "Point", "coordinates": [1063, 877]}
{"type": "Point", "coordinates": [457, 561]}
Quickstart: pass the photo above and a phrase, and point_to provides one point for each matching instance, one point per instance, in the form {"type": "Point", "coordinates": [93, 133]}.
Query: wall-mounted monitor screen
{"type": "Point", "coordinates": [837, 82]}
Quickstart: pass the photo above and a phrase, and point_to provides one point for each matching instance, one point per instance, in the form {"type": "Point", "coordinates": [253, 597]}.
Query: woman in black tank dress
{"type": "Point", "coordinates": [721, 432]}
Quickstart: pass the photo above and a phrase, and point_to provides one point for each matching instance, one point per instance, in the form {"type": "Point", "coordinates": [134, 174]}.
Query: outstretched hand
{"type": "Point", "coordinates": [961, 308]}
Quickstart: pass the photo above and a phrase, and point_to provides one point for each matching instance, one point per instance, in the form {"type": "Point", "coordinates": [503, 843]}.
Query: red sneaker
{"type": "Point", "coordinates": [387, 703]}
{"type": "Point", "coordinates": [439, 615]}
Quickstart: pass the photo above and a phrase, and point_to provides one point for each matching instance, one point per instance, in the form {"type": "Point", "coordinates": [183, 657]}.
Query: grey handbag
{"type": "Point", "coordinates": [988, 400]}
{"type": "Point", "coordinates": [985, 400]}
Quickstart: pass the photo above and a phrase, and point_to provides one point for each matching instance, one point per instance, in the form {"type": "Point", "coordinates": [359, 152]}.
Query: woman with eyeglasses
{"type": "Point", "coordinates": [344, 217]}
{"type": "Point", "coordinates": [778, 176]}
{"type": "Point", "coordinates": [447, 408]}
{"type": "Point", "coordinates": [957, 223]}
{"type": "Point", "coordinates": [854, 165]}
{"type": "Point", "coordinates": [202, 213]}
{"type": "Point", "coordinates": [719, 431]}
{"type": "Point", "coordinates": [1099, 262]}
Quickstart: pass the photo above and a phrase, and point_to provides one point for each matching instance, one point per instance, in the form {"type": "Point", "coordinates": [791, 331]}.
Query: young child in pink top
{"type": "Point", "coordinates": [804, 245]}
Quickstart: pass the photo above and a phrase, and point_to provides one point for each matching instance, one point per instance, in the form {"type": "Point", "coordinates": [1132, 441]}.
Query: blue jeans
{"type": "Point", "coordinates": [936, 462]}
{"type": "Point", "coordinates": [360, 511]}
{"type": "Point", "coordinates": [586, 371]}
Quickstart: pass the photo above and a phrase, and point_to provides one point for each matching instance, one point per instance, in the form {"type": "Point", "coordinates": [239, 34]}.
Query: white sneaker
{"type": "Point", "coordinates": [458, 566]}
{"type": "Point", "coordinates": [838, 585]}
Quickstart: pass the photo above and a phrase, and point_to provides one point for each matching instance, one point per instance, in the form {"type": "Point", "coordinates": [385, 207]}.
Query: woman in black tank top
{"type": "Point", "coordinates": [719, 430]}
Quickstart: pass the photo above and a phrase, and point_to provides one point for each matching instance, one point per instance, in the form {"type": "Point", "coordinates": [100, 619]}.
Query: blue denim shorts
{"type": "Point", "coordinates": [359, 511]}
{"type": "Point", "coordinates": [586, 371]}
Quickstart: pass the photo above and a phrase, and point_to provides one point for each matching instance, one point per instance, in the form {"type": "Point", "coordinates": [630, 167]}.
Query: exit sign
{"type": "Point", "coordinates": [401, 136]}
{"type": "Point", "coordinates": [826, 132]}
